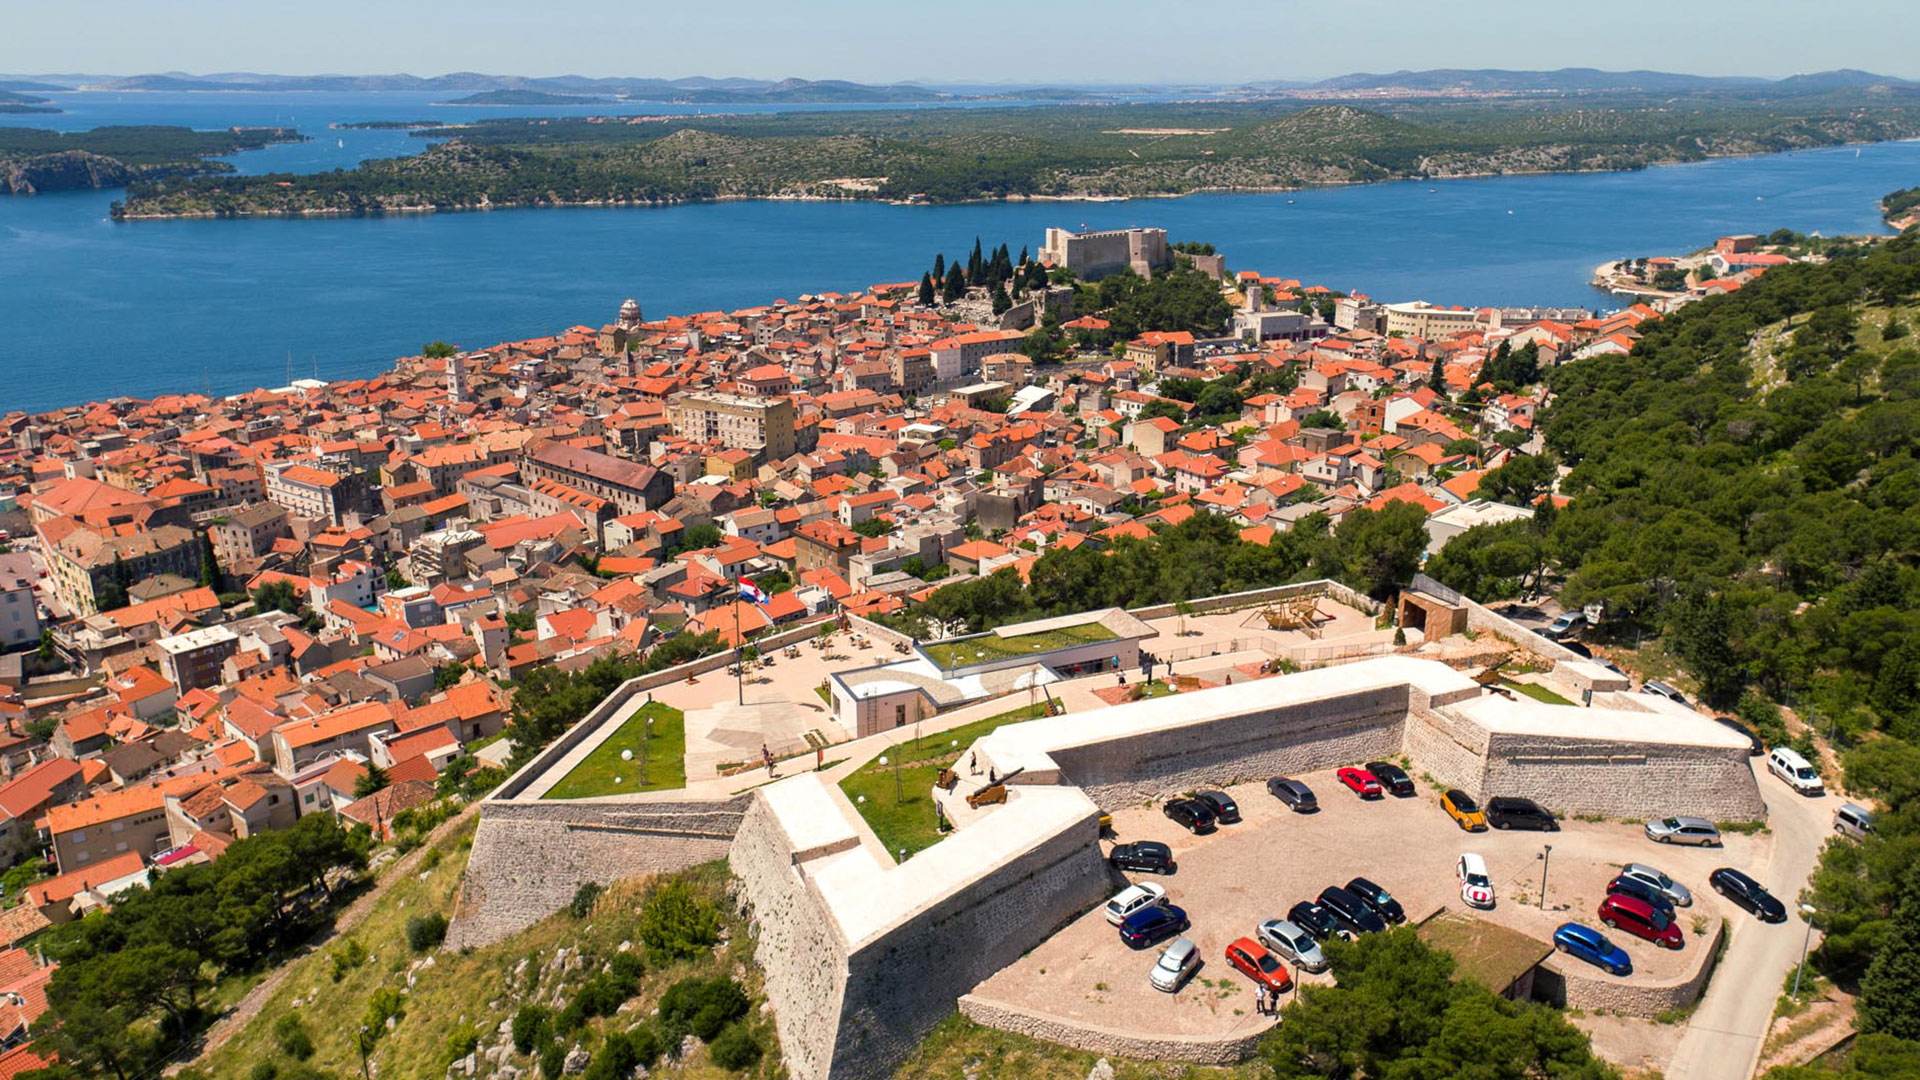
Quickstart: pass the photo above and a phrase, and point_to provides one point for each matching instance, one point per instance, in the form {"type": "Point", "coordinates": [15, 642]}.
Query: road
{"type": "Point", "coordinates": [1725, 1033]}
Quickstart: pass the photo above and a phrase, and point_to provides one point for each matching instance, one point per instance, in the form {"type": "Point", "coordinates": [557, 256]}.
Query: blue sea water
{"type": "Point", "coordinates": [91, 309]}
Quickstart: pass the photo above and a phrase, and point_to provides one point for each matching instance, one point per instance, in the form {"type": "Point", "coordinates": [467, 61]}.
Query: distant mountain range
{"type": "Point", "coordinates": [1577, 80]}
{"type": "Point", "coordinates": [698, 89]}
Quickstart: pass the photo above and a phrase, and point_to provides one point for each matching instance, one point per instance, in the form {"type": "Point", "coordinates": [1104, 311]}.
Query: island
{"type": "Point", "coordinates": [1026, 152]}
{"type": "Point", "coordinates": [14, 102]}
{"type": "Point", "coordinates": [34, 160]}
{"type": "Point", "coordinates": [1901, 208]}
{"type": "Point", "coordinates": [526, 97]}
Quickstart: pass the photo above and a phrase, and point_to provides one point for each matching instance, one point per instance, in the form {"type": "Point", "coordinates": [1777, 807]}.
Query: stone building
{"type": "Point", "coordinates": [1094, 255]}
{"type": "Point", "coordinates": [629, 485]}
{"type": "Point", "coordinates": [763, 426]}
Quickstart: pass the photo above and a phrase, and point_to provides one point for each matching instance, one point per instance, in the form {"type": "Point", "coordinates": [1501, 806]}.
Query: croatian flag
{"type": "Point", "coordinates": [752, 592]}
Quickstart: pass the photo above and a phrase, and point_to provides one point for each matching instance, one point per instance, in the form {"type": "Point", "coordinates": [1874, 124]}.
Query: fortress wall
{"type": "Point", "coordinates": [1112, 1041]}
{"type": "Point", "coordinates": [795, 943]}
{"type": "Point", "coordinates": [907, 980]}
{"type": "Point", "coordinates": [1451, 750]}
{"type": "Point", "coordinates": [530, 857]}
{"type": "Point", "coordinates": [1289, 739]}
{"type": "Point", "coordinates": [1624, 779]}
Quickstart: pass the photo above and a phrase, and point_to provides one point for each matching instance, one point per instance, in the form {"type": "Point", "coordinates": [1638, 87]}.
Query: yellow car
{"type": "Point", "coordinates": [1464, 811]}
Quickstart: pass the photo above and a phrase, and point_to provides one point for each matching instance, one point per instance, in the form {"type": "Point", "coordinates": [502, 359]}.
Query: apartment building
{"type": "Point", "coordinates": [763, 426]}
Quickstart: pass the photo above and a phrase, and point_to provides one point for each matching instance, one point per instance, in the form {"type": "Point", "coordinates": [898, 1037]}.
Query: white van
{"type": "Point", "coordinates": [1852, 820]}
{"type": "Point", "coordinates": [1793, 768]}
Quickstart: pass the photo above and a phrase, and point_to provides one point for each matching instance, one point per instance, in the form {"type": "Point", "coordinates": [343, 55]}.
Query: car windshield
{"type": "Point", "coordinates": [1478, 879]}
{"type": "Point", "coordinates": [1464, 804]}
{"type": "Point", "coordinates": [1659, 920]}
{"type": "Point", "coordinates": [1807, 774]}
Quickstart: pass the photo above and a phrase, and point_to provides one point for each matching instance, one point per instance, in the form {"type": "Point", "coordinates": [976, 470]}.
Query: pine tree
{"type": "Point", "coordinates": [1036, 276]}
{"type": "Point", "coordinates": [926, 289]}
{"type": "Point", "coordinates": [956, 284]}
{"type": "Point", "coordinates": [1890, 991]}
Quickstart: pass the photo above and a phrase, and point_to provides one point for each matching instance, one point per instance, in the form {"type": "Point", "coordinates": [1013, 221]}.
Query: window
{"type": "Point", "coordinates": [899, 715]}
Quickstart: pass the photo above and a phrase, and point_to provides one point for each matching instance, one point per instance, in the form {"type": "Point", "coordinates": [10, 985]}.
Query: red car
{"type": "Point", "coordinates": [1642, 920]}
{"type": "Point", "coordinates": [1363, 783]}
{"type": "Point", "coordinates": [1258, 964]}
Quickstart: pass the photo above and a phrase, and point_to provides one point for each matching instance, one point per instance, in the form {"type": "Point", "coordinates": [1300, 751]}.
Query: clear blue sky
{"type": "Point", "coordinates": [1053, 41]}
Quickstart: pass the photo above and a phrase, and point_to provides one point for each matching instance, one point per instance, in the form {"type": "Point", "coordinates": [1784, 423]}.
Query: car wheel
{"type": "Point", "coordinates": [1611, 925]}
{"type": "Point", "coordinates": [1614, 970]}
{"type": "Point", "coordinates": [1663, 839]}
{"type": "Point", "coordinates": [1501, 825]}
{"type": "Point", "coordinates": [1559, 947]}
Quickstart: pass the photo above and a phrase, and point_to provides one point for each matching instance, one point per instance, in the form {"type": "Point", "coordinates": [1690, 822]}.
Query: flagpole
{"type": "Point", "coordinates": [739, 652]}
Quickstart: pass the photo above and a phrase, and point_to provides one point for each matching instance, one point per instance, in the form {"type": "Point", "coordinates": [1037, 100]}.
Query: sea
{"type": "Point", "coordinates": [92, 309]}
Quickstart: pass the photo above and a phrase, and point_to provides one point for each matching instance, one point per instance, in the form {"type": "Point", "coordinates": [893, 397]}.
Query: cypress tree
{"type": "Point", "coordinates": [1001, 301]}
{"type": "Point", "coordinates": [975, 262]}
{"type": "Point", "coordinates": [926, 289]}
{"type": "Point", "coordinates": [956, 284]}
{"type": "Point", "coordinates": [939, 266]}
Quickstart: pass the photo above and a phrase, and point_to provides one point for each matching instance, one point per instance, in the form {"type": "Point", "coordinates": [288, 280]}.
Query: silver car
{"type": "Point", "coordinates": [1293, 943]}
{"type": "Point", "coordinates": [1658, 882]}
{"type": "Point", "coordinates": [1176, 965]}
{"type": "Point", "coordinates": [1683, 830]}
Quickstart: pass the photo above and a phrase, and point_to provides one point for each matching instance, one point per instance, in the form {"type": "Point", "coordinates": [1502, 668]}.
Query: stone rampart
{"type": "Point", "coordinates": [1200, 1050]}
{"type": "Point", "coordinates": [1624, 779]}
{"type": "Point", "coordinates": [1251, 598]}
{"type": "Point", "coordinates": [1574, 985]}
{"type": "Point", "coordinates": [1451, 750]}
{"type": "Point", "coordinates": [530, 857]}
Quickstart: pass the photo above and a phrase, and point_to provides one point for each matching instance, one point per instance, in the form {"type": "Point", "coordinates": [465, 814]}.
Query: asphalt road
{"type": "Point", "coordinates": [1725, 1033]}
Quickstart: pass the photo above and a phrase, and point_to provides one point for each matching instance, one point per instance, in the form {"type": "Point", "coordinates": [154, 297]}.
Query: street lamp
{"type": "Point", "coordinates": [1546, 857]}
{"type": "Point", "coordinates": [361, 1042]}
{"type": "Point", "coordinates": [1806, 943]}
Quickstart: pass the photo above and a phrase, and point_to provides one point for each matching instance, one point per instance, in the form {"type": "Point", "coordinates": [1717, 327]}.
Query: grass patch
{"type": "Point", "coordinates": [826, 695]}
{"type": "Point", "coordinates": [662, 766]}
{"type": "Point", "coordinates": [987, 648]}
{"type": "Point", "coordinates": [901, 815]}
{"type": "Point", "coordinates": [1537, 693]}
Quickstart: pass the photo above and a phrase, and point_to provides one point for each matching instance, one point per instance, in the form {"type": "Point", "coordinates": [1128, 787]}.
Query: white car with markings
{"type": "Point", "coordinates": [1476, 885]}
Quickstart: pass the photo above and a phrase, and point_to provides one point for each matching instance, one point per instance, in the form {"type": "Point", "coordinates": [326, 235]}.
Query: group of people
{"type": "Point", "coordinates": [1266, 1001]}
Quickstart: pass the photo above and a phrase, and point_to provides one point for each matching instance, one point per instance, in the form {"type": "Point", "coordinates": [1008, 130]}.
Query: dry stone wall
{"type": "Point", "coordinates": [1623, 779]}
{"type": "Point", "coordinates": [1449, 749]}
{"type": "Point", "coordinates": [1575, 985]}
{"type": "Point", "coordinates": [1200, 1050]}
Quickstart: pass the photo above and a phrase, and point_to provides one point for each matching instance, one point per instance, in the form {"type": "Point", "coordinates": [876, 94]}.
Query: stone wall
{"type": "Point", "coordinates": [1451, 750]}
{"type": "Point", "coordinates": [1201, 1050]}
{"type": "Point", "coordinates": [1290, 739]}
{"type": "Point", "coordinates": [1622, 779]}
{"type": "Point", "coordinates": [1575, 985]}
{"type": "Point", "coordinates": [1240, 601]}
{"type": "Point", "coordinates": [530, 857]}
{"type": "Point", "coordinates": [1482, 619]}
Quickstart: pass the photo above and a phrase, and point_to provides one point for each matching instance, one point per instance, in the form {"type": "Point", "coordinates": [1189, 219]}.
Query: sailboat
{"type": "Point", "coordinates": [340, 143]}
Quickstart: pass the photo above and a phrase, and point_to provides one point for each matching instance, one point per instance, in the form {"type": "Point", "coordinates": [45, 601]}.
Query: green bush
{"type": "Point", "coordinates": [676, 923]}
{"type": "Point", "coordinates": [700, 1007]}
{"type": "Point", "coordinates": [553, 1060]}
{"type": "Point", "coordinates": [530, 1025]}
{"type": "Point", "coordinates": [351, 954]}
{"type": "Point", "coordinates": [291, 1036]}
{"type": "Point", "coordinates": [603, 994]}
{"type": "Point", "coordinates": [426, 932]}
{"type": "Point", "coordinates": [263, 1071]}
{"type": "Point", "coordinates": [615, 1061]}
{"type": "Point", "coordinates": [737, 1049]}
{"type": "Point", "coordinates": [385, 1003]}
{"type": "Point", "coordinates": [463, 1040]}
{"type": "Point", "coordinates": [584, 898]}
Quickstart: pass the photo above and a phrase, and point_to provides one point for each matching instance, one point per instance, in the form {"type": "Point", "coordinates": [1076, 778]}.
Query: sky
{"type": "Point", "coordinates": [1128, 42]}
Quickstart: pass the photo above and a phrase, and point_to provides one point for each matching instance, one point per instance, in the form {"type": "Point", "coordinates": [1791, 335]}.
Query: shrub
{"type": "Point", "coordinates": [291, 1036]}
{"type": "Point", "coordinates": [426, 932]}
{"type": "Point", "coordinates": [553, 1060]}
{"type": "Point", "coordinates": [530, 1025]}
{"type": "Point", "coordinates": [263, 1071]}
{"type": "Point", "coordinates": [463, 1040]}
{"type": "Point", "coordinates": [615, 1061]}
{"type": "Point", "coordinates": [646, 1045]}
{"type": "Point", "coordinates": [386, 1003]}
{"type": "Point", "coordinates": [676, 923]}
{"type": "Point", "coordinates": [603, 994]}
{"type": "Point", "coordinates": [351, 954]}
{"type": "Point", "coordinates": [700, 1007]}
{"type": "Point", "coordinates": [584, 898]}
{"type": "Point", "coordinates": [737, 1049]}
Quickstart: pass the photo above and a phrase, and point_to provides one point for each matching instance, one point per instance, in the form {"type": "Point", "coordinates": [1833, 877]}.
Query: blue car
{"type": "Point", "coordinates": [1153, 924]}
{"type": "Point", "coordinates": [1592, 946]}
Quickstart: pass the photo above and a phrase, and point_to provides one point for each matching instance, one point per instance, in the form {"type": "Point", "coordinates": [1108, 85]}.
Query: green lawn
{"type": "Point", "coordinates": [1537, 693]}
{"type": "Point", "coordinates": [662, 766]}
{"type": "Point", "coordinates": [987, 648]}
{"type": "Point", "coordinates": [906, 820]}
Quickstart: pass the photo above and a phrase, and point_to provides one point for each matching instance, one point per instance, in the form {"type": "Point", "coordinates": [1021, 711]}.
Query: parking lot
{"type": "Point", "coordinates": [1233, 879]}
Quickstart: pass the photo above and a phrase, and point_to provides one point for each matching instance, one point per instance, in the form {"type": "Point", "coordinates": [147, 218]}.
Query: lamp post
{"type": "Point", "coordinates": [1546, 857]}
{"type": "Point", "coordinates": [1806, 943]}
{"type": "Point", "coordinates": [361, 1042]}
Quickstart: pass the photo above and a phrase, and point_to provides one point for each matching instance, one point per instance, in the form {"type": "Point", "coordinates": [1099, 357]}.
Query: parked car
{"type": "Point", "coordinates": [1683, 830]}
{"type": "Point", "coordinates": [1361, 782]}
{"type": "Point", "coordinates": [1800, 775]}
{"type": "Point", "coordinates": [1145, 856]}
{"type": "Point", "coordinates": [1852, 820]}
{"type": "Point", "coordinates": [1379, 899]}
{"type": "Point", "coordinates": [1586, 943]}
{"type": "Point", "coordinates": [1755, 747]}
{"type": "Point", "coordinates": [1315, 919]}
{"type": "Point", "coordinates": [1133, 898]}
{"type": "Point", "coordinates": [1655, 686]}
{"type": "Point", "coordinates": [1256, 963]}
{"type": "Point", "coordinates": [1476, 885]}
{"type": "Point", "coordinates": [1676, 893]}
{"type": "Point", "coordinates": [1642, 920]}
{"type": "Point", "coordinates": [1152, 924]}
{"type": "Point", "coordinates": [1351, 912]}
{"type": "Point", "coordinates": [1393, 778]}
{"type": "Point", "coordinates": [1747, 893]}
{"type": "Point", "coordinates": [1622, 885]}
{"type": "Point", "coordinates": [1294, 793]}
{"type": "Point", "coordinates": [1565, 623]}
{"type": "Point", "coordinates": [1513, 812]}
{"type": "Point", "coordinates": [1191, 815]}
{"type": "Point", "coordinates": [1225, 810]}
{"type": "Point", "coordinates": [1294, 942]}
{"type": "Point", "coordinates": [1176, 965]}
{"type": "Point", "coordinates": [1464, 811]}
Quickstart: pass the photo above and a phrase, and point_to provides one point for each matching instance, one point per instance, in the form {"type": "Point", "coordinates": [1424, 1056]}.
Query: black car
{"type": "Point", "coordinates": [1225, 810]}
{"type": "Point", "coordinates": [1316, 920]}
{"type": "Point", "coordinates": [1352, 912]}
{"type": "Point", "coordinates": [1643, 892]}
{"type": "Point", "coordinates": [1510, 812]}
{"type": "Point", "coordinates": [1294, 794]}
{"type": "Point", "coordinates": [1146, 856]}
{"type": "Point", "coordinates": [1191, 815]}
{"type": "Point", "coordinates": [1393, 778]}
{"type": "Point", "coordinates": [1748, 893]}
{"type": "Point", "coordinates": [1379, 899]}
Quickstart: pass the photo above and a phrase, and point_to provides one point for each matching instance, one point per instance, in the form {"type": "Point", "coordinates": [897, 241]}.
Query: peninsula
{"type": "Point", "coordinates": [1043, 151]}
{"type": "Point", "coordinates": [527, 97]}
{"type": "Point", "coordinates": [34, 160]}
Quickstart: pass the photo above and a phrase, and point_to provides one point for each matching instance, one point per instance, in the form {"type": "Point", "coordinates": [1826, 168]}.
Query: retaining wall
{"type": "Point", "coordinates": [1451, 750]}
{"type": "Point", "coordinates": [1575, 985]}
{"type": "Point", "coordinates": [1256, 597]}
{"type": "Point", "coordinates": [1480, 618]}
{"type": "Point", "coordinates": [1623, 779]}
{"type": "Point", "coordinates": [1221, 1050]}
